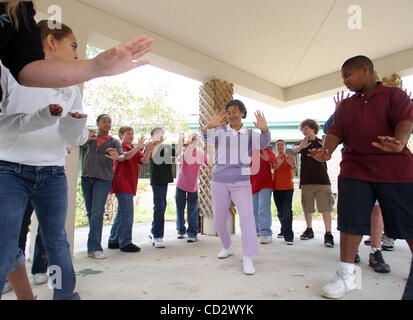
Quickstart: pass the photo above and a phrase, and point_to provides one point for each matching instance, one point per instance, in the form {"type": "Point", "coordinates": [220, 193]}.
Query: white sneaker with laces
{"type": "Point", "coordinates": [97, 255]}
{"type": "Point", "coordinates": [40, 278]}
{"type": "Point", "coordinates": [225, 253]}
{"type": "Point", "coordinates": [248, 265]}
{"type": "Point", "coordinates": [266, 240]}
{"type": "Point", "coordinates": [342, 283]}
{"type": "Point", "coordinates": [158, 243]}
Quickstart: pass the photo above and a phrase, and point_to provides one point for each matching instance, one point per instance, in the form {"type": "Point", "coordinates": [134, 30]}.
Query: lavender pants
{"type": "Point", "coordinates": [241, 195]}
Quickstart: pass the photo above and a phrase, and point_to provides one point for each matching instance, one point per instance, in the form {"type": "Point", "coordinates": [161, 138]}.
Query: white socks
{"type": "Point", "coordinates": [348, 268]}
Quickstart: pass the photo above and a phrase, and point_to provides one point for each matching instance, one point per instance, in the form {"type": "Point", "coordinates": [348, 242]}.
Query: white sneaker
{"type": "Point", "coordinates": [248, 265]}
{"type": "Point", "coordinates": [97, 255]}
{"type": "Point", "coordinates": [388, 243]}
{"type": "Point", "coordinates": [40, 278]}
{"type": "Point", "coordinates": [7, 288]}
{"type": "Point", "coordinates": [289, 243]}
{"type": "Point", "coordinates": [158, 243]}
{"type": "Point", "coordinates": [225, 253]}
{"type": "Point", "coordinates": [266, 239]}
{"type": "Point", "coordinates": [342, 283]}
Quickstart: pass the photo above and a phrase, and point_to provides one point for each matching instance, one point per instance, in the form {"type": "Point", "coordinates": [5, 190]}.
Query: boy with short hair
{"type": "Point", "coordinates": [375, 125]}
{"type": "Point", "coordinates": [314, 182]}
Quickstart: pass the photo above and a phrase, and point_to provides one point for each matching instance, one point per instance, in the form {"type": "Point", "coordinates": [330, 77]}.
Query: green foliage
{"type": "Point", "coordinates": [141, 113]}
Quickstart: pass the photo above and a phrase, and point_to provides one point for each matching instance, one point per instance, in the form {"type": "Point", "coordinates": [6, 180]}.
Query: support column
{"type": "Point", "coordinates": [213, 94]}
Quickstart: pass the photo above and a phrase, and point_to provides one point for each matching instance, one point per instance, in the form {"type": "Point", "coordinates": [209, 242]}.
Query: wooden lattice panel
{"type": "Point", "coordinates": [213, 95]}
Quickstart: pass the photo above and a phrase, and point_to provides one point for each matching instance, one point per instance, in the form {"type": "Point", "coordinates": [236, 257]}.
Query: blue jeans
{"type": "Point", "coordinates": [182, 197]}
{"type": "Point", "coordinates": [47, 189]}
{"type": "Point", "coordinates": [159, 206]}
{"type": "Point", "coordinates": [262, 211]}
{"type": "Point", "coordinates": [39, 257]}
{"type": "Point", "coordinates": [283, 200]}
{"type": "Point", "coordinates": [95, 192]}
{"type": "Point", "coordinates": [121, 231]}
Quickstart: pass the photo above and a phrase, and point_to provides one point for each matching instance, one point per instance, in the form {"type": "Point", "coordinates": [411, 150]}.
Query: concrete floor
{"type": "Point", "coordinates": [192, 271]}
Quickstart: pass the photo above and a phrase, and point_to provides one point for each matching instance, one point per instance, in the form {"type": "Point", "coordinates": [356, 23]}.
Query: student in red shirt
{"type": "Point", "coordinates": [124, 184]}
{"type": "Point", "coordinates": [284, 190]}
{"type": "Point", "coordinates": [375, 125]}
{"type": "Point", "coordinates": [261, 185]}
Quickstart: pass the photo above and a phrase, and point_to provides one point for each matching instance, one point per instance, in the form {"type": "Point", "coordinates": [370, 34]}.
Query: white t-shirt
{"type": "Point", "coordinates": [29, 134]}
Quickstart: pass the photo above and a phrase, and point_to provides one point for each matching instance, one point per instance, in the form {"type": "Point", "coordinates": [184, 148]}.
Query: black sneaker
{"type": "Point", "coordinates": [357, 258]}
{"type": "Point", "coordinates": [113, 245]}
{"type": "Point", "coordinates": [280, 236]}
{"type": "Point", "coordinates": [328, 239]}
{"type": "Point", "coordinates": [307, 234]}
{"type": "Point", "coordinates": [377, 262]}
{"type": "Point", "coordinates": [130, 248]}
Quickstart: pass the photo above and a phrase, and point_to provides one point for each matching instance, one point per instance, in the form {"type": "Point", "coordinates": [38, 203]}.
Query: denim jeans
{"type": "Point", "coordinates": [121, 231]}
{"type": "Point", "coordinates": [159, 206]}
{"type": "Point", "coordinates": [39, 257]}
{"type": "Point", "coordinates": [262, 211]}
{"type": "Point", "coordinates": [47, 189]}
{"type": "Point", "coordinates": [95, 192]}
{"type": "Point", "coordinates": [182, 197]}
{"type": "Point", "coordinates": [283, 200]}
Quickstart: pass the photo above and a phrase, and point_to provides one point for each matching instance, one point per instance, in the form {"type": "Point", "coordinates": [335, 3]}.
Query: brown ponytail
{"type": "Point", "coordinates": [57, 33]}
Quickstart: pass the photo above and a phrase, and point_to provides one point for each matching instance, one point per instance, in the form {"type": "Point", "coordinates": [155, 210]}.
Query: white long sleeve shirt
{"type": "Point", "coordinates": [29, 134]}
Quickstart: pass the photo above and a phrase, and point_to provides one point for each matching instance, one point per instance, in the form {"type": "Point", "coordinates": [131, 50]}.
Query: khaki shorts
{"type": "Point", "coordinates": [321, 193]}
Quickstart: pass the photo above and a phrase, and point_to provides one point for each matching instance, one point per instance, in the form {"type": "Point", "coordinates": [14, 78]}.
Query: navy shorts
{"type": "Point", "coordinates": [356, 199]}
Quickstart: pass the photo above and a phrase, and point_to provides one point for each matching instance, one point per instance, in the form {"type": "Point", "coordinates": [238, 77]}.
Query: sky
{"type": "Point", "coordinates": [183, 96]}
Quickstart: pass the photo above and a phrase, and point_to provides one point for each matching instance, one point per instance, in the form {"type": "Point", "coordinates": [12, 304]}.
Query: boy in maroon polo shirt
{"type": "Point", "coordinates": [375, 125]}
{"type": "Point", "coordinates": [124, 184]}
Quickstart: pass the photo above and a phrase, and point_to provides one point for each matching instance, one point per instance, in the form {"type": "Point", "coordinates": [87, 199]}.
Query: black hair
{"type": "Point", "coordinates": [101, 116]}
{"type": "Point", "coordinates": [359, 62]}
{"type": "Point", "coordinates": [280, 140]}
{"type": "Point", "coordinates": [240, 106]}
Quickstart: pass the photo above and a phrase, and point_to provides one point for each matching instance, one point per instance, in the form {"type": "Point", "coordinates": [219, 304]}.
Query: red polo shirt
{"type": "Point", "coordinates": [358, 121]}
{"type": "Point", "coordinates": [126, 173]}
{"type": "Point", "coordinates": [263, 179]}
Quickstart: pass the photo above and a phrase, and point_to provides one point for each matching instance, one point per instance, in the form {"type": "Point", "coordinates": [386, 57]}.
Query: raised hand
{"type": "Point", "coordinates": [217, 120]}
{"type": "Point", "coordinates": [388, 144]}
{"type": "Point", "coordinates": [55, 110]}
{"type": "Point", "coordinates": [77, 115]}
{"type": "Point", "coordinates": [338, 100]}
{"type": "Point", "coordinates": [113, 154]}
{"type": "Point", "coordinates": [92, 134]}
{"type": "Point", "coordinates": [265, 156]}
{"type": "Point", "coordinates": [141, 143]}
{"type": "Point", "coordinates": [149, 146]}
{"type": "Point", "coordinates": [261, 123]}
{"type": "Point", "coordinates": [319, 154]}
{"type": "Point", "coordinates": [123, 57]}
{"type": "Point", "coordinates": [304, 143]}
{"type": "Point", "coordinates": [290, 161]}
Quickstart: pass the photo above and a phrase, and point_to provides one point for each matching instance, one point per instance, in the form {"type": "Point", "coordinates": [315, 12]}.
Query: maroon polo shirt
{"type": "Point", "coordinates": [358, 121]}
{"type": "Point", "coordinates": [126, 173]}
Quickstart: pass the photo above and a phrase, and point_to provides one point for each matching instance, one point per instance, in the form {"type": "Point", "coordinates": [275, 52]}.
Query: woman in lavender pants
{"type": "Point", "coordinates": [231, 175]}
